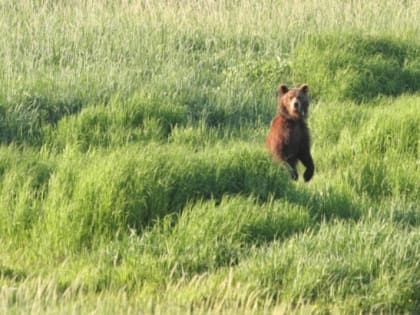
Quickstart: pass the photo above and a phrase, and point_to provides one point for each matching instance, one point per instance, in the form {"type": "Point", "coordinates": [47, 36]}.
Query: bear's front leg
{"type": "Point", "coordinates": [307, 161]}
{"type": "Point", "coordinates": [294, 174]}
{"type": "Point", "coordinates": [292, 169]}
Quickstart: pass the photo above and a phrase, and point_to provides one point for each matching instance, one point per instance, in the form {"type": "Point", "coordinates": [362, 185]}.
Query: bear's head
{"type": "Point", "coordinates": [293, 102]}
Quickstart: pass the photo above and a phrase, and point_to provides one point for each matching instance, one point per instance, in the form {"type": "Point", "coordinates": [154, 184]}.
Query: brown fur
{"type": "Point", "coordinates": [288, 139]}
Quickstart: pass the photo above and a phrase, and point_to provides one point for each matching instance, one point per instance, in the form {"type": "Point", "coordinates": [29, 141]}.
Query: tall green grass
{"type": "Point", "coordinates": [358, 67]}
{"type": "Point", "coordinates": [133, 174]}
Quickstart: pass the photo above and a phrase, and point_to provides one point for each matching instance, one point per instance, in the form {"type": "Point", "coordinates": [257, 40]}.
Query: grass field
{"type": "Point", "coordinates": [134, 177]}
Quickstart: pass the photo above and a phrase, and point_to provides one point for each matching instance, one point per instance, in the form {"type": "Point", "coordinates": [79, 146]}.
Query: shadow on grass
{"type": "Point", "coordinates": [11, 274]}
{"type": "Point", "coordinates": [358, 67]}
{"type": "Point", "coordinates": [306, 210]}
{"type": "Point", "coordinates": [23, 122]}
{"type": "Point", "coordinates": [410, 216]}
{"type": "Point", "coordinates": [214, 176]}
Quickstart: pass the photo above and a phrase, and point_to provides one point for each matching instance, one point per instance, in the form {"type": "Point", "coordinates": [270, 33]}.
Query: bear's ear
{"type": "Point", "coordinates": [282, 89]}
{"type": "Point", "coordinates": [304, 88]}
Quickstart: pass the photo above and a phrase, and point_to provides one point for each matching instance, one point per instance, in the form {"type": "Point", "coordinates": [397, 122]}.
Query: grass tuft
{"type": "Point", "coordinates": [358, 67]}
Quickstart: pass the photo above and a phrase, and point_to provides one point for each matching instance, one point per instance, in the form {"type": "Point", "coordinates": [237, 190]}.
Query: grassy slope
{"type": "Point", "coordinates": [133, 174]}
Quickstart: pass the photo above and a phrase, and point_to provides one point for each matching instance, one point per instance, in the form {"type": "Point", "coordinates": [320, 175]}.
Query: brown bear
{"type": "Point", "coordinates": [288, 139]}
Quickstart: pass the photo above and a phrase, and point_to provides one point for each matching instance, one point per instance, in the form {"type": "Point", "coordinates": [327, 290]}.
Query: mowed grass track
{"type": "Point", "coordinates": [133, 172]}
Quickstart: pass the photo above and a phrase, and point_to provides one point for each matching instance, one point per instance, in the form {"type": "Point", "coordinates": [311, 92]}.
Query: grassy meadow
{"type": "Point", "coordinates": [133, 173]}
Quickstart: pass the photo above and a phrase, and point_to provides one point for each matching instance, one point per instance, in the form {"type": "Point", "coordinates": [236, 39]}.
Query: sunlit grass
{"type": "Point", "coordinates": [133, 171]}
